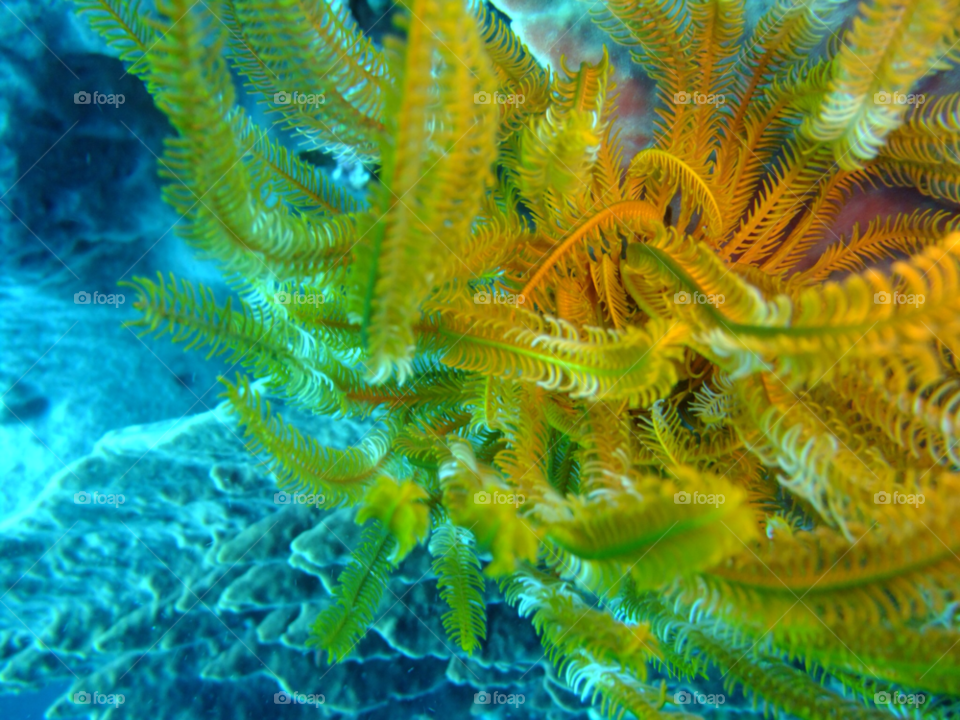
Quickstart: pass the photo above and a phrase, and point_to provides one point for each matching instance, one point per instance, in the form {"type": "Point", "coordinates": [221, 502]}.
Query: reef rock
{"type": "Point", "coordinates": [163, 568]}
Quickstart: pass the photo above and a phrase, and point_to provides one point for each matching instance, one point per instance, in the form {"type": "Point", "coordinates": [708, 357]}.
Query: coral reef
{"type": "Point", "coordinates": [198, 585]}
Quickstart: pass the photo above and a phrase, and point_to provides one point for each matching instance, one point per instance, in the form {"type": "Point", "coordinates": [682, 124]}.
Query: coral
{"type": "Point", "coordinates": [197, 592]}
{"type": "Point", "coordinates": [620, 386]}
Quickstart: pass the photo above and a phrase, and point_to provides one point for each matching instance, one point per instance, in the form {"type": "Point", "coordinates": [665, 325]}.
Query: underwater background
{"type": "Point", "coordinates": [144, 551]}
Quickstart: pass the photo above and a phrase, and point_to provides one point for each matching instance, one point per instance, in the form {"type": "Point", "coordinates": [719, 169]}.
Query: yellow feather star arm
{"type": "Point", "coordinates": [663, 434]}
{"type": "Point", "coordinates": [816, 220]}
{"type": "Point", "coordinates": [937, 180]}
{"type": "Point", "coordinates": [924, 421]}
{"type": "Point", "coordinates": [930, 128]}
{"type": "Point", "coordinates": [435, 169]}
{"type": "Point", "coordinates": [717, 27]}
{"type": "Point", "coordinates": [269, 346]}
{"type": "Point", "coordinates": [823, 463]}
{"type": "Point", "coordinates": [859, 320]}
{"type": "Point", "coordinates": [461, 585]}
{"type": "Point", "coordinates": [785, 36]}
{"type": "Point", "coordinates": [782, 197]}
{"type": "Point", "coordinates": [518, 344]}
{"type": "Point", "coordinates": [226, 218]}
{"type": "Point", "coordinates": [610, 290]}
{"type": "Point", "coordinates": [299, 462]}
{"type": "Point", "coordinates": [126, 28]}
{"type": "Point", "coordinates": [874, 583]}
{"type": "Point", "coordinates": [498, 527]}
{"type": "Point", "coordinates": [399, 507]}
{"type": "Point", "coordinates": [619, 214]}
{"type": "Point", "coordinates": [523, 462]}
{"type": "Point", "coordinates": [558, 151]}
{"type": "Point", "coordinates": [655, 31]}
{"type": "Point", "coordinates": [687, 267]}
{"type": "Point", "coordinates": [891, 46]}
{"type": "Point", "coordinates": [280, 172]}
{"type": "Point", "coordinates": [596, 654]}
{"type": "Point", "coordinates": [675, 173]}
{"type": "Point", "coordinates": [311, 48]}
{"type": "Point", "coordinates": [605, 445]}
{"type": "Point", "coordinates": [693, 644]}
{"type": "Point", "coordinates": [852, 427]}
{"type": "Point", "coordinates": [517, 71]}
{"type": "Point", "coordinates": [925, 151]}
{"type": "Point", "coordinates": [768, 124]}
{"type": "Point", "coordinates": [883, 238]}
{"type": "Point", "coordinates": [609, 535]}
